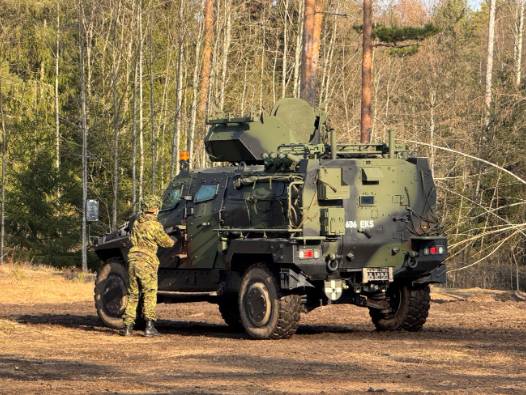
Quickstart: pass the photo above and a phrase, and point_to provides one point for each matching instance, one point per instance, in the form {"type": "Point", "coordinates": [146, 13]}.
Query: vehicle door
{"type": "Point", "coordinates": [172, 217]}
{"type": "Point", "coordinates": [203, 220]}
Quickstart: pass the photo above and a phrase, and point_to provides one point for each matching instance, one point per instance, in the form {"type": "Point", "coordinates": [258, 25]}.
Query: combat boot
{"type": "Point", "coordinates": [150, 330]}
{"type": "Point", "coordinates": [127, 330]}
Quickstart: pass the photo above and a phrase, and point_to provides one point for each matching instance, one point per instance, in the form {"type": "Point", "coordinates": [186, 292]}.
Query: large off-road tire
{"type": "Point", "coordinates": [409, 305]}
{"type": "Point", "coordinates": [265, 312]}
{"type": "Point", "coordinates": [229, 309]}
{"type": "Point", "coordinates": [111, 295]}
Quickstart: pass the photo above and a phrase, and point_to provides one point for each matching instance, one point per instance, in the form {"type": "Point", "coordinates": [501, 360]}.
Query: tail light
{"type": "Point", "coordinates": [309, 253]}
{"type": "Point", "coordinates": [434, 250]}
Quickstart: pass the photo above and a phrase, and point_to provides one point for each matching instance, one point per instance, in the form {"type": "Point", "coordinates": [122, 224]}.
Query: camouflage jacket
{"type": "Point", "coordinates": [148, 234]}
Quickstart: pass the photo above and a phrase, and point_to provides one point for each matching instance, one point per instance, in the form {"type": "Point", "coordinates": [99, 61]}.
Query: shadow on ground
{"type": "Point", "coordinates": [29, 369]}
{"type": "Point", "coordinates": [489, 339]}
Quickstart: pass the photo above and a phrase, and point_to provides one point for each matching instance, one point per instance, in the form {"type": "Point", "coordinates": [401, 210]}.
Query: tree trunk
{"type": "Point", "coordinates": [366, 122]}
{"type": "Point", "coordinates": [141, 115]}
{"type": "Point", "coordinates": [134, 136]}
{"type": "Point", "coordinates": [176, 138]}
{"type": "Point", "coordinates": [262, 68]}
{"type": "Point", "coordinates": [432, 127]}
{"type": "Point", "coordinates": [208, 14]}
{"type": "Point", "coordinates": [274, 65]}
{"type": "Point", "coordinates": [226, 49]}
{"type": "Point", "coordinates": [152, 109]}
{"type": "Point", "coordinates": [116, 127]}
{"type": "Point", "coordinates": [312, 26]}
{"type": "Point", "coordinates": [297, 54]}
{"type": "Point", "coordinates": [3, 175]}
{"type": "Point", "coordinates": [84, 131]}
{"type": "Point", "coordinates": [57, 108]}
{"type": "Point", "coordinates": [244, 93]}
{"type": "Point", "coordinates": [518, 43]}
{"type": "Point", "coordinates": [489, 63]}
{"type": "Point", "coordinates": [195, 92]}
{"type": "Point", "coordinates": [327, 67]}
{"type": "Point", "coordinates": [285, 48]}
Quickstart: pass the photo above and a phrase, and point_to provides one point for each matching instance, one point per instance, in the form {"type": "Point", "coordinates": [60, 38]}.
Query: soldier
{"type": "Point", "coordinates": [146, 236]}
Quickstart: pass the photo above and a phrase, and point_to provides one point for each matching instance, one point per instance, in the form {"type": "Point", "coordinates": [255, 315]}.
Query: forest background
{"type": "Point", "coordinates": [126, 84]}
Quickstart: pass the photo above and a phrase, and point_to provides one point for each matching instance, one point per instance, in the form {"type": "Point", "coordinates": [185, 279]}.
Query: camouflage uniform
{"type": "Point", "coordinates": [146, 235]}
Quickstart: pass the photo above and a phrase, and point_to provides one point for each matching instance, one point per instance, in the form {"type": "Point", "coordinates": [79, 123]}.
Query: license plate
{"type": "Point", "coordinates": [377, 274]}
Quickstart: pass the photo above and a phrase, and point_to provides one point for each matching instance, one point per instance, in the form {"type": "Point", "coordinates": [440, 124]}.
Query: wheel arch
{"type": "Point", "coordinates": [242, 261]}
{"type": "Point", "coordinates": [112, 255]}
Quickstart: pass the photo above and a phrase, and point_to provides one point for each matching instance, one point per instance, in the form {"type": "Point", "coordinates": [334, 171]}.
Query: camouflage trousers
{"type": "Point", "coordinates": [142, 271]}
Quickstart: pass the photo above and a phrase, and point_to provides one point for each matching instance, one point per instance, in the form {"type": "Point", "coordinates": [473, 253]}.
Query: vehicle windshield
{"type": "Point", "coordinates": [171, 197]}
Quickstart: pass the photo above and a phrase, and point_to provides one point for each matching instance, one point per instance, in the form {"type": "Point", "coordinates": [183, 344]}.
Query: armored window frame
{"type": "Point", "coordinates": [206, 192]}
{"type": "Point", "coordinates": [171, 197]}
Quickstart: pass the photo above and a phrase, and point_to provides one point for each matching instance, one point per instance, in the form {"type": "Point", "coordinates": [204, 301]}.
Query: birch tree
{"type": "Point", "coordinates": [176, 138]}
{"type": "Point", "coordinates": [206, 61]}
{"type": "Point", "coordinates": [285, 48]}
{"type": "Point", "coordinates": [84, 133]}
{"type": "Point", "coordinates": [517, 49]}
{"type": "Point", "coordinates": [298, 50]}
{"type": "Point", "coordinates": [488, 96]}
{"type": "Point", "coordinates": [195, 93]}
{"type": "Point", "coordinates": [366, 120]}
{"type": "Point", "coordinates": [57, 100]}
{"type": "Point", "coordinates": [141, 115]}
{"type": "Point", "coordinates": [3, 175]}
{"type": "Point", "coordinates": [152, 108]}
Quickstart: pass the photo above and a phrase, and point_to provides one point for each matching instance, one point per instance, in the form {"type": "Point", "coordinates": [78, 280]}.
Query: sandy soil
{"type": "Point", "coordinates": [51, 341]}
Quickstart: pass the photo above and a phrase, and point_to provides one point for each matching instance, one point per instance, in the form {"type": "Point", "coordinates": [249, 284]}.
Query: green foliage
{"type": "Point", "coordinates": [394, 35]}
{"type": "Point", "coordinates": [397, 37]}
{"type": "Point", "coordinates": [404, 51]}
{"type": "Point", "coordinates": [398, 34]}
{"type": "Point", "coordinates": [41, 213]}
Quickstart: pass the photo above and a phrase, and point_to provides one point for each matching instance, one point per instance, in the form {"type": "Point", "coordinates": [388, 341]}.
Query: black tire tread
{"type": "Point", "coordinates": [289, 309]}
{"type": "Point", "coordinates": [418, 305]}
{"type": "Point", "coordinates": [229, 310]}
{"type": "Point", "coordinates": [289, 317]}
{"type": "Point", "coordinates": [110, 322]}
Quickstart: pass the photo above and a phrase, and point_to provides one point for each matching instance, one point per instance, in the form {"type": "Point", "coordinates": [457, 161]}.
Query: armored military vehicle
{"type": "Point", "coordinates": [292, 222]}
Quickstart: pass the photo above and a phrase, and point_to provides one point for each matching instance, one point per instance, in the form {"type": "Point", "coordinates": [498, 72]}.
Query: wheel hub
{"type": "Point", "coordinates": [114, 296]}
{"type": "Point", "coordinates": [258, 304]}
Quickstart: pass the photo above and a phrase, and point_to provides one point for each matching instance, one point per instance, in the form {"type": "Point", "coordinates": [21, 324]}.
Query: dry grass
{"type": "Point", "coordinates": [43, 284]}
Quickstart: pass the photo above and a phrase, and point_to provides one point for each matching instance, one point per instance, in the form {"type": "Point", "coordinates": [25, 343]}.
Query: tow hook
{"type": "Point", "coordinates": [332, 263]}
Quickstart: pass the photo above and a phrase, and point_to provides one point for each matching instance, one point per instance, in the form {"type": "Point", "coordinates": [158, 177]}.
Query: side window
{"type": "Point", "coordinates": [171, 197]}
{"type": "Point", "coordinates": [206, 192]}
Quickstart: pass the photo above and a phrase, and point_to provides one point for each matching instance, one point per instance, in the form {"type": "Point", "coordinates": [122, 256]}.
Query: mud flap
{"type": "Point", "coordinates": [437, 275]}
{"type": "Point", "coordinates": [290, 280]}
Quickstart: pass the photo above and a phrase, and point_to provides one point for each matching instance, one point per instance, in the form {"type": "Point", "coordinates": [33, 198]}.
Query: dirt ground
{"type": "Point", "coordinates": [52, 342]}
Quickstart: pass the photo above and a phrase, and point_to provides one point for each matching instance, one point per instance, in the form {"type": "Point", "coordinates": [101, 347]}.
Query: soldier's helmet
{"type": "Point", "coordinates": [151, 203]}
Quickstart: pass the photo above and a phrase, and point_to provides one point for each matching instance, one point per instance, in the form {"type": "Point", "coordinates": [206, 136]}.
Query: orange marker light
{"type": "Point", "coordinates": [184, 155]}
